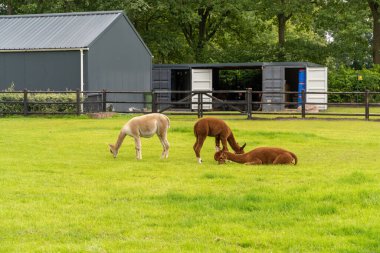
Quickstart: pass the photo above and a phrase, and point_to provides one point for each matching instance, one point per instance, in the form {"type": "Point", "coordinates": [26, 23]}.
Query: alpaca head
{"type": "Point", "coordinates": [220, 157]}
{"type": "Point", "coordinates": [113, 150]}
{"type": "Point", "coordinates": [241, 149]}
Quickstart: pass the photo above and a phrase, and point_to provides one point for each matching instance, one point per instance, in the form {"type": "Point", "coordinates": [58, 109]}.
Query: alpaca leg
{"type": "Point", "coordinates": [138, 148]}
{"type": "Point", "coordinates": [165, 146]}
{"type": "Point", "coordinates": [198, 146]}
{"type": "Point", "coordinates": [255, 161]}
{"type": "Point", "coordinates": [217, 143]}
{"type": "Point", "coordinates": [283, 159]}
{"type": "Point", "coordinates": [195, 147]}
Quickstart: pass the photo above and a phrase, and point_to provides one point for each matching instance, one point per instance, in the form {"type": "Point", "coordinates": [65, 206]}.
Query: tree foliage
{"type": "Point", "coordinates": [330, 32]}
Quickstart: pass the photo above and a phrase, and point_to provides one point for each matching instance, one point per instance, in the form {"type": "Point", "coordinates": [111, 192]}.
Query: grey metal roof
{"type": "Point", "coordinates": [53, 31]}
{"type": "Point", "coordinates": [236, 65]}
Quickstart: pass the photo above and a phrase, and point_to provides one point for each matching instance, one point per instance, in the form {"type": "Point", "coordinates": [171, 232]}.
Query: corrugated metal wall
{"type": "Point", "coordinates": [118, 61]}
{"type": "Point", "coordinates": [40, 70]}
{"type": "Point", "coordinates": [161, 81]}
{"type": "Point", "coordinates": [273, 81]}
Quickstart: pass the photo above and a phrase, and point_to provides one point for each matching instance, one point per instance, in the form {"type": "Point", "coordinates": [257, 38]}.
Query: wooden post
{"type": "Point", "coordinates": [248, 98]}
{"type": "Point", "coordinates": [104, 100]}
{"type": "Point", "coordinates": [303, 104]}
{"type": "Point", "coordinates": [25, 102]}
{"type": "Point", "coordinates": [199, 104]}
{"type": "Point", "coordinates": [154, 101]}
{"type": "Point", "coordinates": [366, 101]}
{"type": "Point", "coordinates": [78, 102]}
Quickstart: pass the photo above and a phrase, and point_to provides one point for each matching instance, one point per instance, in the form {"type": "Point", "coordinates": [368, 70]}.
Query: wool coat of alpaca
{"type": "Point", "coordinates": [262, 155]}
{"type": "Point", "coordinates": [215, 128]}
{"type": "Point", "coordinates": [144, 126]}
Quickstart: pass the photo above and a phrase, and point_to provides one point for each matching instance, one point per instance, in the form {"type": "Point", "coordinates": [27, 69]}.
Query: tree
{"type": "Point", "coordinates": [11, 7]}
{"type": "Point", "coordinates": [346, 24]}
{"type": "Point", "coordinates": [201, 20]}
{"type": "Point", "coordinates": [374, 6]}
{"type": "Point", "coordinates": [282, 11]}
{"type": "Point", "coordinates": [152, 19]}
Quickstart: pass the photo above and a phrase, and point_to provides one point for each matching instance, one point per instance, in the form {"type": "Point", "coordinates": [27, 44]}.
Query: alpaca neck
{"type": "Point", "coordinates": [231, 140]}
{"type": "Point", "coordinates": [120, 140]}
{"type": "Point", "coordinates": [235, 157]}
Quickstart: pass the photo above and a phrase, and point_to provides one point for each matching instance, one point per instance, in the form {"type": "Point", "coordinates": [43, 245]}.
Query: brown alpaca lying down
{"type": "Point", "coordinates": [263, 155]}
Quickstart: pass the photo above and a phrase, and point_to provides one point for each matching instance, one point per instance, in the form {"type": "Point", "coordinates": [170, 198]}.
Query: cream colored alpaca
{"type": "Point", "coordinates": [144, 126]}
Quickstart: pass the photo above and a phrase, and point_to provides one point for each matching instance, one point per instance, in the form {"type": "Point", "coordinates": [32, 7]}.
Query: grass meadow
{"type": "Point", "coordinates": [62, 191]}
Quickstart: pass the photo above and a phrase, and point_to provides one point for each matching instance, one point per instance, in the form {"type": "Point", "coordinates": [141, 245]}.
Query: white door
{"type": "Point", "coordinates": [316, 81]}
{"type": "Point", "coordinates": [202, 81]}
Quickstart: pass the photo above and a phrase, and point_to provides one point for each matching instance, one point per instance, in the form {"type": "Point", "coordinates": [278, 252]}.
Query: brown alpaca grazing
{"type": "Point", "coordinates": [215, 128]}
{"type": "Point", "coordinates": [262, 155]}
{"type": "Point", "coordinates": [144, 126]}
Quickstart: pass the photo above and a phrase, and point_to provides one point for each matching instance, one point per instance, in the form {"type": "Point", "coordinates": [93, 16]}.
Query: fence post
{"type": "Point", "coordinates": [248, 98]}
{"type": "Point", "coordinates": [199, 104]}
{"type": "Point", "coordinates": [25, 102]}
{"type": "Point", "coordinates": [78, 102]}
{"type": "Point", "coordinates": [154, 101]}
{"type": "Point", "coordinates": [104, 100]}
{"type": "Point", "coordinates": [303, 104]}
{"type": "Point", "coordinates": [366, 101]}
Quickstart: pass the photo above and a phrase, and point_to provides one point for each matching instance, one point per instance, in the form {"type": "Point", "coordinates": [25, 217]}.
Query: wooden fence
{"type": "Point", "coordinates": [161, 101]}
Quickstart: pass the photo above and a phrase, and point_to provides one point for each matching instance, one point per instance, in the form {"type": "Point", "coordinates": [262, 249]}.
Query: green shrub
{"type": "Point", "coordinates": [10, 106]}
{"type": "Point", "coordinates": [346, 79]}
{"type": "Point", "coordinates": [59, 101]}
{"type": "Point", "coordinates": [37, 102]}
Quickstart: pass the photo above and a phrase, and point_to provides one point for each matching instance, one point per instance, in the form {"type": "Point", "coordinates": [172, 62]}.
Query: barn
{"type": "Point", "coordinates": [260, 76]}
{"type": "Point", "coordinates": [88, 51]}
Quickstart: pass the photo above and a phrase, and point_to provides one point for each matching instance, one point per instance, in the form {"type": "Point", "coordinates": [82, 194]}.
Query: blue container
{"type": "Point", "coordinates": [301, 84]}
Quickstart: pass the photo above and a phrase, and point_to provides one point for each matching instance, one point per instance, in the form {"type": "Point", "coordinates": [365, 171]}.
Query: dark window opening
{"type": "Point", "coordinates": [238, 79]}
{"type": "Point", "coordinates": [180, 81]}
{"type": "Point", "coordinates": [291, 85]}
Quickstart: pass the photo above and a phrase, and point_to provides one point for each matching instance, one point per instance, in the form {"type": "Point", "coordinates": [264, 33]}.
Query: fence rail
{"type": "Point", "coordinates": [243, 102]}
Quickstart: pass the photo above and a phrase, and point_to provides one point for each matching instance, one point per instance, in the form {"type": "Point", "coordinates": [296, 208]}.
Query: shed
{"type": "Point", "coordinates": [89, 51]}
{"type": "Point", "coordinates": [260, 76]}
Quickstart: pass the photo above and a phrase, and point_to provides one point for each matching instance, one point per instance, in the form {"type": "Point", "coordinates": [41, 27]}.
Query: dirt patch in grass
{"type": "Point", "coordinates": [101, 115]}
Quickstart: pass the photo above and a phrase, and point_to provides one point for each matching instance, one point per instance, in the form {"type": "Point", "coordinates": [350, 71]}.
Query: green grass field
{"type": "Point", "coordinates": [62, 191]}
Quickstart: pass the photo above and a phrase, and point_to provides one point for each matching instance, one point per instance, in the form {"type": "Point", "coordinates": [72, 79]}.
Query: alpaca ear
{"type": "Point", "coordinates": [242, 147]}
{"type": "Point", "coordinates": [216, 155]}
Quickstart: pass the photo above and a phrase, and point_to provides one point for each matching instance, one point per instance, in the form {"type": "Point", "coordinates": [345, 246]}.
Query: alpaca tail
{"type": "Point", "coordinates": [294, 157]}
{"type": "Point", "coordinates": [168, 120]}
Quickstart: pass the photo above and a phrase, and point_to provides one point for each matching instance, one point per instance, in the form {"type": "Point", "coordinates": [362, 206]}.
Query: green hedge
{"type": "Point", "coordinates": [346, 79]}
{"type": "Point", "coordinates": [6, 108]}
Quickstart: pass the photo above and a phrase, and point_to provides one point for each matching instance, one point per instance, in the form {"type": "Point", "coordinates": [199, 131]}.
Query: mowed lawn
{"type": "Point", "coordinates": [62, 191]}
